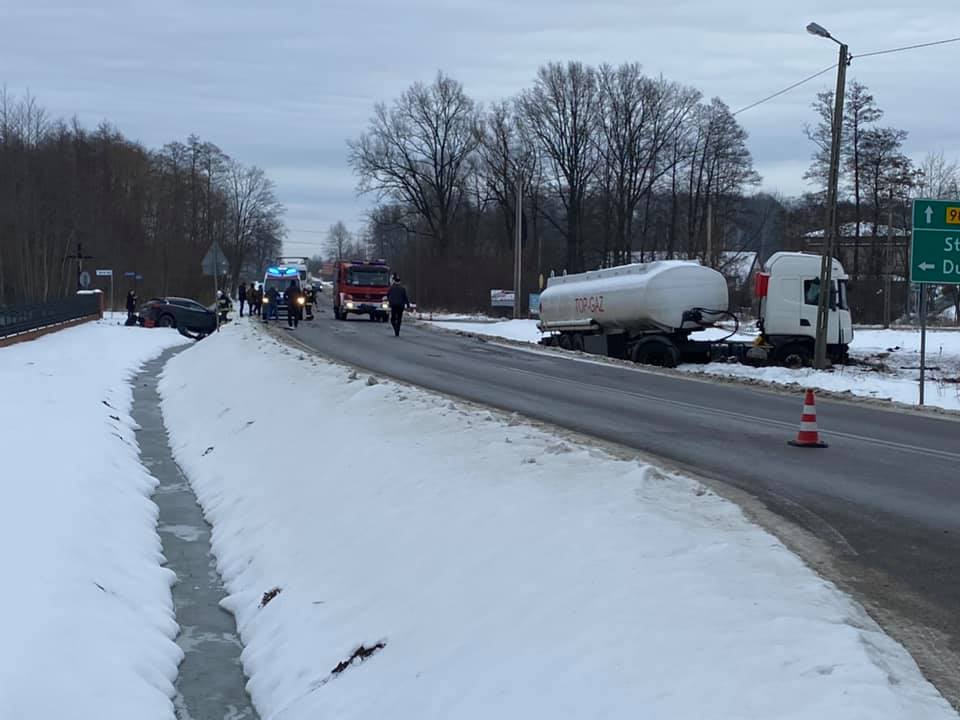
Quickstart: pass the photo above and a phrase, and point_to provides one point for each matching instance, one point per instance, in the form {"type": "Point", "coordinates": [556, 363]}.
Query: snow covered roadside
{"type": "Point", "coordinates": [507, 573]}
{"type": "Point", "coordinates": [897, 351]}
{"type": "Point", "coordinates": [86, 614]}
{"type": "Point", "coordinates": [896, 356]}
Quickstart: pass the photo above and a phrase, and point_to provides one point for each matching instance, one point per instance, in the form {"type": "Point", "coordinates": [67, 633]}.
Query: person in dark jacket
{"type": "Point", "coordinates": [293, 295]}
{"type": "Point", "coordinates": [270, 310]}
{"type": "Point", "coordinates": [132, 307]}
{"type": "Point", "coordinates": [256, 299]}
{"type": "Point", "coordinates": [398, 301]}
{"type": "Point", "coordinates": [242, 297]}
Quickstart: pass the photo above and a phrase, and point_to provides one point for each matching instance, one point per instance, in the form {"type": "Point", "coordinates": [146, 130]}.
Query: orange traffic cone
{"type": "Point", "coordinates": [808, 435]}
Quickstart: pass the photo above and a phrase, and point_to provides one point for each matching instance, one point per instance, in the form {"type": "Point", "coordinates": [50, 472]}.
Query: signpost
{"type": "Point", "coordinates": [214, 263]}
{"type": "Point", "coordinates": [108, 273]}
{"type": "Point", "coordinates": [501, 298]}
{"type": "Point", "coordinates": [934, 256]}
{"type": "Point", "coordinates": [533, 300]}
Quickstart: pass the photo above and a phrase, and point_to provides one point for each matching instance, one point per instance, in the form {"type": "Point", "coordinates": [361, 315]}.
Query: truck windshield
{"type": "Point", "coordinates": [368, 277]}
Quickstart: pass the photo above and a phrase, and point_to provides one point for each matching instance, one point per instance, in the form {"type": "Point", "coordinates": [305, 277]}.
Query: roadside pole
{"type": "Point", "coordinates": [923, 339]}
{"type": "Point", "coordinates": [518, 251]}
{"type": "Point", "coordinates": [216, 291]}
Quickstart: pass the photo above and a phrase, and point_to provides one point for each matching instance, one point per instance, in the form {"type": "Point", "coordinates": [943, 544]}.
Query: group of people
{"type": "Point", "coordinates": [253, 297]}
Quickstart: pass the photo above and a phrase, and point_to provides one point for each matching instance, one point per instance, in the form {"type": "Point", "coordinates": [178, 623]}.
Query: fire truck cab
{"type": "Point", "coordinates": [360, 288]}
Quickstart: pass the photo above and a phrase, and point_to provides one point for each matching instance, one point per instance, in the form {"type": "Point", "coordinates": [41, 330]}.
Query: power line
{"type": "Point", "coordinates": [786, 89]}
{"type": "Point", "coordinates": [313, 232]}
{"type": "Point", "coordinates": [908, 47]}
{"type": "Point", "coordinates": [828, 69]}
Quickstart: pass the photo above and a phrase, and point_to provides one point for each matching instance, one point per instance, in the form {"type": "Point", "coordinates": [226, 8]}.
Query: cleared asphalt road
{"type": "Point", "coordinates": [885, 496]}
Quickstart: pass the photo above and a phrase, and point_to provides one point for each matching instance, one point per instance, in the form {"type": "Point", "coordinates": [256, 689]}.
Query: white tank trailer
{"type": "Point", "coordinates": [647, 312]}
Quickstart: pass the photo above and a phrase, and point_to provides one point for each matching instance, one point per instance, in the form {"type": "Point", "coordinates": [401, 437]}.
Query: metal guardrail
{"type": "Point", "coordinates": [16, 319]}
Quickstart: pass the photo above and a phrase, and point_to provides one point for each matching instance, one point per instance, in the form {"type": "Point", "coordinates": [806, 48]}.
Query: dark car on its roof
{"type": "Point", "coordinates": [181, 313]}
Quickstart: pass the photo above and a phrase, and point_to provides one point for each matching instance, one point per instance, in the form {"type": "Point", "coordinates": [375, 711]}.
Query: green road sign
{"type": "Point", "coordinates": [935, 245]}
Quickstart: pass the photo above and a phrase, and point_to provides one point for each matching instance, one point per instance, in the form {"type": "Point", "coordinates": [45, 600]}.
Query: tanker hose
{"type": "Point", "coordinates": [722, 313]}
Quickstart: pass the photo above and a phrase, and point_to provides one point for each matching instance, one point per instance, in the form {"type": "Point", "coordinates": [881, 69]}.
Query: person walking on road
{"type": "Point", "coordinates": [242, 297]}
{"type": "Point", "coordinates": [398, 301]}
{"type": "Point", "coordinates": [293, 297]}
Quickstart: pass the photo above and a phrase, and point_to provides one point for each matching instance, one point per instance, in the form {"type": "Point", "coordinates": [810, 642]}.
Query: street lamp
{"type": "Point", "coordinates": [826, 259]}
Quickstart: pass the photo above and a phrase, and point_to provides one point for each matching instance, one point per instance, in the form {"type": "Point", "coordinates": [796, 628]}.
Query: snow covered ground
{"type": "Point", "coordinates": [86, 615]}
{"type": "Point", "coordinates": [486, 568]}
{"type": "Point", "coordinates": [887, 369]}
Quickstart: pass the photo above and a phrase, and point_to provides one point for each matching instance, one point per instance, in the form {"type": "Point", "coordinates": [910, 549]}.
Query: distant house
{"type": "Point", "coordinates": [872, 246]}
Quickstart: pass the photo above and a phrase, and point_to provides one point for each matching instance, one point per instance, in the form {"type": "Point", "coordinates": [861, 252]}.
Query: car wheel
{"type": "Point", "coordinates": [167, 321]}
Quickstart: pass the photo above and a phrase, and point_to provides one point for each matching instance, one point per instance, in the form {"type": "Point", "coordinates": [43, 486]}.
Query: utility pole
{"type": "Point", "coordinates": [887, 270]}
{"type": "Point", "coordinates": [710, 232]}
{"type": "Point", "coordinates": [826, 260]}
{"type": "Point", "coordinates": [518, 250]}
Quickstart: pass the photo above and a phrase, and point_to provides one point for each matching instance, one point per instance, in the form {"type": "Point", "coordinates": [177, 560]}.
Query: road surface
{"type": "Point", "coordinates": [884, 497]}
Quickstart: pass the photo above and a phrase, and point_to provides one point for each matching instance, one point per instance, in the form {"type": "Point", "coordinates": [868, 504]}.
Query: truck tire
{"type": "Point", "coordinates": [565, 341]}
{"type": "Point", "coordinates": [794, 355]}
{"type": "Point", "coordinates": [656, 351]}
{"type": "Point", "coordinates": [337, 314]}
{"type": "Point", "coordinates": [167, 320]}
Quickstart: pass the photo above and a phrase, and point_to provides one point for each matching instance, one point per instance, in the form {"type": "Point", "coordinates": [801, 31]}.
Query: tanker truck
{"type": "Point", "coordinates": [647, 312]}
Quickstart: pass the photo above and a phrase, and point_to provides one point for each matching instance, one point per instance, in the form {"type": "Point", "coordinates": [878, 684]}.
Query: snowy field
{"type": "Point", "coordinates": [474, 566]}
{"type": "Point", "coordinates": [887, 366]}
{"type": "Point", "coordinates": [86, 614]}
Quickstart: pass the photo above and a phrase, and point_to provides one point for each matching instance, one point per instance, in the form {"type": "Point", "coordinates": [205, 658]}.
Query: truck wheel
{"type": "Point", "coordinates": [565, 341]}
{"type": "Point", "coordinates": [167, 321]}
{"type": "Point", "coordinates": [656, 351]}
{"type": "Point", "coordinates": [577, 342]}
{"type": "Point", "coordinates": [794, 356]}
{"type": "Point", "coordinates": [337, 314]}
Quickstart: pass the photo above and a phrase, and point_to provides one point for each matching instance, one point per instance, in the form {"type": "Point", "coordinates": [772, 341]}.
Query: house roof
{"type": "Point", "coordinates": [848, 230]}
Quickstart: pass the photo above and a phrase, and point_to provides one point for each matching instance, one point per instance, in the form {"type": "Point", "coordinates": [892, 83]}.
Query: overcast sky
{"type": "Point", "coordinates": [284, 84]}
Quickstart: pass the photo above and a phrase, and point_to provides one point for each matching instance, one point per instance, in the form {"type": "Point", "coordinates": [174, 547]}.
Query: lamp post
{"type": "Point", "coordinates": [826, 259]}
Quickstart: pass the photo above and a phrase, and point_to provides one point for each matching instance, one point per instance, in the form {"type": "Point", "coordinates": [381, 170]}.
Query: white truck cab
{"type": "Point", "coordinates": [789, 291]}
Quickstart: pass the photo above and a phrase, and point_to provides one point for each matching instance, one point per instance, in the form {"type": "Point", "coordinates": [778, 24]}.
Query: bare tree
{"type": "Point", "coordinates": [938, 177]}
{"type": "Point", "coordinates": [561, 112]}
{"type": "Point", "coordinates": [416, 152]}
{"type": "Point", "coordinates": [253, 211]}
{"type": "Point", "coordinates": [640, 120]}
{"type": "Point", "coordinates": [506, 157]}
{"type": "Point", "coordinates": [860, 111]}
{"type": "Point", "coordinates": [339, 242]}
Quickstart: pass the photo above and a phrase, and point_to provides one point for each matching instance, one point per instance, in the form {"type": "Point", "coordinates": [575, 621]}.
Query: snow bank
{"type": "Point", "coordinates": [508, 573]}
{"type": "Point", "coordinates": [86, 614]}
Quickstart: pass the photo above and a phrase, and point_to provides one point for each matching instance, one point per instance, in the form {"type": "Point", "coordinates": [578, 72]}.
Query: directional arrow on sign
{"type": "Point", "coordinates": [929, 213]}
{"type": "Point", "coordinates": [926, 266]}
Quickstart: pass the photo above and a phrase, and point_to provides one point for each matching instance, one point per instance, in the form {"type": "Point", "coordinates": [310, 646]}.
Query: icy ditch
{"type": "Point", "coordinates": [473, 566]}
{"type": "Point", "coordinates": [887, 362]}
{"type": "Point", "coordinates": [86, 614]}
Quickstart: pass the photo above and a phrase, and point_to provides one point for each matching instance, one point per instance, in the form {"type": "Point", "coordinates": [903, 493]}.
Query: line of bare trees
{"type": "Point", "coordinates": [611, 164]}
{"type": "Point", "coordinates": [155, 213]}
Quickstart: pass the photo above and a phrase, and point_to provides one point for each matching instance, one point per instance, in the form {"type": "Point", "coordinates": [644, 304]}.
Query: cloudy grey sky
{"type": "Point", "coordinates": [283, 85]}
